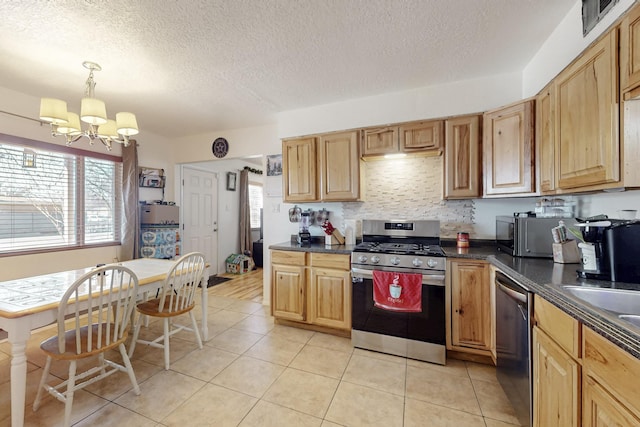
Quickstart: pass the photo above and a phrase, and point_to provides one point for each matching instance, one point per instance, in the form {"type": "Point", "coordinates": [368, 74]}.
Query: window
{"type": "Point", "coordinates": [255, 204]}
{"type": "Point", "coordinates": [53, 197]}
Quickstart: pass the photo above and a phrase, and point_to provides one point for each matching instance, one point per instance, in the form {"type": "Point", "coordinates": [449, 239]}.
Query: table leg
{"type": "Point", "coordinates": [18, 340]}
{"type": "Point", "coordinates": [205, 305]}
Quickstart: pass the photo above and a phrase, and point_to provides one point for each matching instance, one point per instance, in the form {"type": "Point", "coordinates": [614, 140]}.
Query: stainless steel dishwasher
{"type": "Point", "coordinates": [514, 314]}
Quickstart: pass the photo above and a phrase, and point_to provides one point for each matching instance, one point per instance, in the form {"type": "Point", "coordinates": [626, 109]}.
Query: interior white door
{"type": "Point", "coordinates": [200, 214]}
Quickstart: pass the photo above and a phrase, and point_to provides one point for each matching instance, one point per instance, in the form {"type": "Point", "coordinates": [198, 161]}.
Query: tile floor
{"type": "Point", "coordinates": [254, 373]}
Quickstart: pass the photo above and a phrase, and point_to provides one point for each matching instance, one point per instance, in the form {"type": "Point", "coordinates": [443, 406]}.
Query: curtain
{"type": "Point", "coordinates": [245, 214]}
{"type": "Point", "coordinates": [130, 227]}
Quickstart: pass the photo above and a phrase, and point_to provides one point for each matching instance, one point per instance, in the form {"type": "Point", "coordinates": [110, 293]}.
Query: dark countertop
{"type": "Point", "coordinates": [540, 276]}
{"type": "Point", "coordinates": [313, 247]}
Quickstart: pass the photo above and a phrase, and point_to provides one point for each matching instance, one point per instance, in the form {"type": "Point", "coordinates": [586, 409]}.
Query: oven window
{"type": "Point", "coordinates": [426, 326]}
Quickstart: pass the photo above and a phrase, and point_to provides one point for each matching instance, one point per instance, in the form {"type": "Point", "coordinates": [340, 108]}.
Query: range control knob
{"type": "Point", "coordinates": [375, 259]}
{"type": "Point", "coordinates": [395, 260]}
{"type": "Point", "coordinates": [417, 262]}
{"type": "Point", "coordinates": [362, 259]}
{"type": "Point", "coordinates": [432, 263]}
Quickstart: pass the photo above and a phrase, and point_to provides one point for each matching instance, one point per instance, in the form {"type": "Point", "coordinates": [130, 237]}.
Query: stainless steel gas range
{"type": "Point", "coordinates": [398, 284]}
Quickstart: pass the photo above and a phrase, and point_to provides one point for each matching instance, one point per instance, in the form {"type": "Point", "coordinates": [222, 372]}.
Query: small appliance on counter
{"type": "Point", "coordinates": [304, 236]}
{"type": "Point", "coordinates": [611, 250]}
{"type": "Point", "coordinates": [525, 235]}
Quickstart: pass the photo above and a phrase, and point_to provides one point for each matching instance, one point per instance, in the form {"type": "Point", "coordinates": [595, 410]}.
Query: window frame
{"type": "Point", "coordinates": [256, 184]}
{"type": "Point", "coordinates": [79, 184]}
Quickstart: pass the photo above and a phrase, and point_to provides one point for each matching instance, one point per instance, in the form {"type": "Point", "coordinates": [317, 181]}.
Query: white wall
{"type": "Point", "coordinates": [465, 97]}
{"type": "Point", "coordinates": [564, 45]}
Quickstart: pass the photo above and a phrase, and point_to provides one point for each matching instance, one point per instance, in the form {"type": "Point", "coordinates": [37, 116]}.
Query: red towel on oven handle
{"type": "Point", "coordinates": [410, 299]}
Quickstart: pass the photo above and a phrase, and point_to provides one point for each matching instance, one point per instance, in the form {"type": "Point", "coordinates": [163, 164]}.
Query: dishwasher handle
{"type": "Point", "coordinates": [511, 292]}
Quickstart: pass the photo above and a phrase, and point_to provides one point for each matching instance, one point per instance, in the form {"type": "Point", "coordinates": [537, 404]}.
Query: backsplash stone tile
{"type": "Point", "coordinates": [410, 188]}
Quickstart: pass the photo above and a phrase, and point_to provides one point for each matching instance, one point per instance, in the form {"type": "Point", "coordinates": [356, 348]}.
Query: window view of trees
{"type": "Point", "coordinates": [53, 199]}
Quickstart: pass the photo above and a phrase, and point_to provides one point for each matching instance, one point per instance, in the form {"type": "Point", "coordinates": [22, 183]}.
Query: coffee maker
{"type": "Point", "coordinates": [595, 260]}
{"type": "Point", "coordinates": [611, 250]}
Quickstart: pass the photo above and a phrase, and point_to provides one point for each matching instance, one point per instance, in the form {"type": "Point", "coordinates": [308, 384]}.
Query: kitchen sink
{"type": "Point", "coordinates": [634, 319]}
{"type": "Point", "coordinates": [616, 300]}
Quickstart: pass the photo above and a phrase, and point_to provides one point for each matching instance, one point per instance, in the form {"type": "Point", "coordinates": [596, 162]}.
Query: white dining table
{"type": "Point", "coordinates": [32, 302]}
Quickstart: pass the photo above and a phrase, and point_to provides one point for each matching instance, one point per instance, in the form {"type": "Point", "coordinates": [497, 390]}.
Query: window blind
{"type": "Point", "coordinates": [51, 199]}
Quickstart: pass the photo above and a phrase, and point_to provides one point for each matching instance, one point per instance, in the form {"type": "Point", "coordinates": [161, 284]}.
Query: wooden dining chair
{"type": "Point", "coordinates": [175, 299]}
{"type": "Point", "coordinates": [99, 307]}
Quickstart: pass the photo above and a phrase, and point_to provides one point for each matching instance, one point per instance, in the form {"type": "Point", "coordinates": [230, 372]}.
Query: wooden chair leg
{"type": "Point", "coordinates": [43, 380]}
{"type": "Point", "coordinates": [69, 395]}
{"type": "Point", "coordinates": [134, 339]}
{"type": "Point", "coordinates": [194, 325]}
{"type": "Point", "coordinates": [166, 343]}
{"type": "Point", "coordinates": [127, 364]}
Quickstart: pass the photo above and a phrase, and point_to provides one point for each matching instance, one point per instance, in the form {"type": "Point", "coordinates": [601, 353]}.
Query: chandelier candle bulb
{"type": "Point", "coordinates": [93, 112]}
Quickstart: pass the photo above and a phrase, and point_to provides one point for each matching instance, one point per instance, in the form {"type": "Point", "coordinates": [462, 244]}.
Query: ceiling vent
{"type": "Point", "coordinates": [593, 11]}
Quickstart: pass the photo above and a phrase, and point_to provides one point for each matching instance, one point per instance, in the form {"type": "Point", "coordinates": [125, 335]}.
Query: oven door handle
{"type": "Point", "coordinates": [427, 279]}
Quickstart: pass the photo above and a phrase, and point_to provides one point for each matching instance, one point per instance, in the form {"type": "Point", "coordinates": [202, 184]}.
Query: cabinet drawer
{"type": "Point", "coordinates": [612, 367]}
{"type": "Point", "coordinates": [562, 328]}
{"type": "Point", "coordinates": [337, 261]}
{"type": "Point", "coordinates": [288, 257]}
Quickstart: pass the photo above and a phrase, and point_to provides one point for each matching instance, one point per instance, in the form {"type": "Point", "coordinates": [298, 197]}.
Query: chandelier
{"type": "Point", "coordinates": [93, 112]}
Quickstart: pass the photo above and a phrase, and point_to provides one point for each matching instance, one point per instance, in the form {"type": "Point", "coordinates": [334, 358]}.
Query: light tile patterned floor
{"type": "Point", "coordinates": [254, 373]}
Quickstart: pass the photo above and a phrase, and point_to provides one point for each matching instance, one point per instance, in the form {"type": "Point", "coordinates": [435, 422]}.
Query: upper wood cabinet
{"type": "Point", "coordinates": [324, 167]}
{"type": "Point", "coordinates": [426, 135]}
{"type": "Point", "coordinates": [462, 157]}
{"type": "Point", "coordinates": [380, 141]}
{"type": "Point", "coordinates": [508, 150]}
{"type": "Point", "coordinates": [545, 138]}
{"type": "Point", "coordinates": [630, 50]}
{"type": "Point", "coordinates": [413, 137]}
{"type": "Point", "coordinates": [587, 112]}
{"type": "Point", "coordinates": [299, 170]}
{"type": "Point", "coordinates": [339, 166]}
{"type": "Point", "coordinates": [469, 303]}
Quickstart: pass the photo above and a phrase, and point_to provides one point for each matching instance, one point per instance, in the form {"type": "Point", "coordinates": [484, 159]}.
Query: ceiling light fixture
{"type": "Point", "coordinates": [93, 112]}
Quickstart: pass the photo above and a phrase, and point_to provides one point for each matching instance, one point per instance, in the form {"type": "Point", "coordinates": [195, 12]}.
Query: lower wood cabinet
{"type": "Point", "coordinates": [312, 289]}
{"type": "Point", "coordinates": [610, 391]}
{"type": "Point", "coordinates": [468, 306]}
{"type": "Point", "coordinates": [556, 367]}
{"type": "Point", "coordinates": [556, 379]}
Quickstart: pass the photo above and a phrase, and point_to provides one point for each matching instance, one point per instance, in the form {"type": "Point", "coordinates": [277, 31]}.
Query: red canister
{"type": "Point", "coordinates": [463, 240]}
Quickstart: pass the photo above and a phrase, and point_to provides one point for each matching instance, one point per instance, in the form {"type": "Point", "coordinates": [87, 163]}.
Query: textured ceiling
{"type": "Point", "coordinates": [194, 66]}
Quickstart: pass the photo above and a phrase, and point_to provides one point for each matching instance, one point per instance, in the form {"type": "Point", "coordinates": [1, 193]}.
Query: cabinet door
{"type": "Point", "coordinates": [380, 141]}
{"type": "Point", "coordinates": [600, 409]}
{"type": "Point", "coordinates": [556, 384]}
{"type": "Point", "coordinates": [462, 158]}
{"type": "Point", "coordinates": [288, 292]}
{"type": "Point", "coordinates": [545, 110]}
{"type": "Point", "coordinates": [630, 50]}
{"type": "Point", "coordinates": [339, 165]}
{"type": "Point", "coordinates": [422, 136]}
{"type": "Point", "coordinates": [587, 113]}
{"type": "Point", "coordinates": [330, 298]}
{"type": "Point", "coordinates": [299, 170]}
{"type": "Point", "coordinates": [508, 150]}
{"type": "Point", "coordinates": [470, 305]}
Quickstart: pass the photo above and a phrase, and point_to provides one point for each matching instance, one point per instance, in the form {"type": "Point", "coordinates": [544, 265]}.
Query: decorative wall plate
{"type": "Point", "coordinates": [220, 147]}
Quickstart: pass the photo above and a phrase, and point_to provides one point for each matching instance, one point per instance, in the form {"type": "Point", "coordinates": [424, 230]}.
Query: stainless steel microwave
{"type": "Point", "coordinates": [527, 236]}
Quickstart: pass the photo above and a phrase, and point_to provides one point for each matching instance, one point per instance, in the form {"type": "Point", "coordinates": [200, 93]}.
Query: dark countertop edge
{"type": "Point", "coordinates": [313, 247]}
{"type": "Point", "coordinates": [623, 337]}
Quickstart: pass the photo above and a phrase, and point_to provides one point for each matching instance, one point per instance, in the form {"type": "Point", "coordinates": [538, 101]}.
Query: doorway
{"type": "Point", "coordinates": [199, 201]}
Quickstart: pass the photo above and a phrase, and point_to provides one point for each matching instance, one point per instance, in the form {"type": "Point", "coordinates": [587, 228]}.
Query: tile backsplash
{"type": "Point", "coordinates": [410, 188]}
